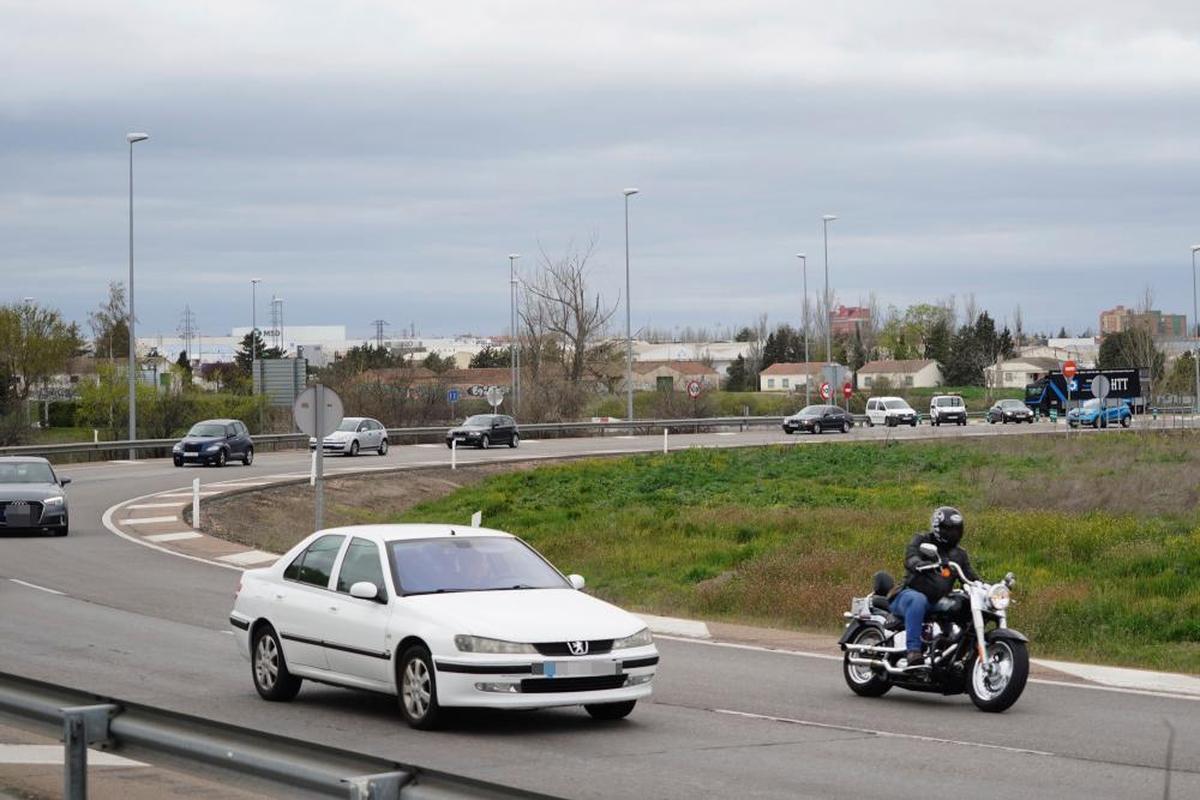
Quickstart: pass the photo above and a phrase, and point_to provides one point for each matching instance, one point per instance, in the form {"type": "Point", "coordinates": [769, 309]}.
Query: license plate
{"type": "Point", "coordinates": [191, 455]}
{"type": "Point", "coordinates": [576, 669]}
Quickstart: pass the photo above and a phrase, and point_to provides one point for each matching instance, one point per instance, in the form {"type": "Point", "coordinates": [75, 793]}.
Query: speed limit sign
{"type": "Point", "coordinates": [826, 391]}
{"type": "Point", "coordinates": [693, 389]}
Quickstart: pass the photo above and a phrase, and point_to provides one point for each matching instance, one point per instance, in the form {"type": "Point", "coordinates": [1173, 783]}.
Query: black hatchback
{"type": "Point", "coordinates": [216, 442]}
{"type": "Point", "coordinates": [485, 430]}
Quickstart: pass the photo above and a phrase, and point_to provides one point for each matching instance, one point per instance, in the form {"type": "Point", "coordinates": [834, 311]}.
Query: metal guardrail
{"type": "Point", "coordinates": [92, 720]}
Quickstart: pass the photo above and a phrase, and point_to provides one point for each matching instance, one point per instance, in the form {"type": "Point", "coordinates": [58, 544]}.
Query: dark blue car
{"type": "Point", "coordinates": [1117, 412]}
{"type": "Point", "coordinates": [216, 442]}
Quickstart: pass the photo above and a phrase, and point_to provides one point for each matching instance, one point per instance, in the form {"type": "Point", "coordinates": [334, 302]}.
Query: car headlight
{"type": "Point", "coordinates": [57, 500]}
{"type": "Point", "coordinates": [212, 448]}
{"type": "Point", "coordinates": [479, 644]}
{"type": "Point", "coordinates": [998, 597]}
{"type": "Point", "coordinates": [640, 639]}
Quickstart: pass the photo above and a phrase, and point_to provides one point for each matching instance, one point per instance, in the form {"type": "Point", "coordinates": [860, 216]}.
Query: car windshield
{"type": "Point", "coordinates": [349, 425]}
{"type": "Point", "coordinates": [949, 401]}
{"type": "Point", "coordinates": [1091, 404]}
{"type": "Point", "coordinates": [478, 421]}
{"type": "Point", "coordinates": [812, 411]}
{"type": "Point", "coordinates": [207, 429]}
{"type": "Point", "coordinates": [1011, 404]}
{"type": "Point", "coordinates": [899, 405]}
{"type": "Point", "coordinates": [26, 472]}
{"type": "Point", "coordinates": [469, 564]}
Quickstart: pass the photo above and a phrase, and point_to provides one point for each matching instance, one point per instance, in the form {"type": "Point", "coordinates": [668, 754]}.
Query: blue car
{"type": "Point", "coordinates": [1090, 413]}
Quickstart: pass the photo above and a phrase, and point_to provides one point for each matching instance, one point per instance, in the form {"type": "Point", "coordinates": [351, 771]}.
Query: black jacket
{"type": "Point", "coordinates": [933, 583]}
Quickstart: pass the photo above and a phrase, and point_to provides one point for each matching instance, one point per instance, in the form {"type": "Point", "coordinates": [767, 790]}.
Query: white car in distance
{"type": "Point", "coordinates": [890, 411]}
{"type": "Point", "coordinates": [355, 435]}
{"type": "Point", "coordinates": [442, 616]}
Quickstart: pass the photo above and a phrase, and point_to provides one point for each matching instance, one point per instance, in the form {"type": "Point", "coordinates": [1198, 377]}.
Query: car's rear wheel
{"type": "Point", "coordinates": [418, 689]}
{"type": "Point", "coordinates": [383, 446]}
{"type": "Point", "coordinates": [610, 711]}
{"type": "Point", "coordinates": [816, 428]}
{"type": "Point", "coordinates": [354, 448]}
{"type": "Point", "coordinates": [271, 676]}
{"type": "Point", "coordinates": [1126, 422]}
{"type": "Point", "coordinates": [248, 459]}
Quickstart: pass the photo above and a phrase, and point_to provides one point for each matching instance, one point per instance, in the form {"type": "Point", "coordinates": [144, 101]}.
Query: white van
{"type": "Point", "coordinates": [947, 408]}
{"type": "Point", "coordinates": [890, 411]}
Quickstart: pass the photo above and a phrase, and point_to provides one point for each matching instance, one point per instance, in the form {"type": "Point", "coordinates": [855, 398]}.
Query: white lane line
{"type": "Point", "coordinates": [155, 505]}
{"type": "Point", "coordinates": [203, 493]}
{"type": "Point", "coordinates": [727, 433]}
{"type": "Point", "coordinates": [42, 754]}
{"type": "Point", "coordinates": [238, 484]}
{"type": "Point", "coordinates": [828, 657]}
{"type": "Point", "coordinates": [35, 586]}
{"type": "Point", "coordinates": [429, 445]}
{"type": "Point", "coordinates": [174, 537]}
{"type": "Point", "coordinates": [147, 520]}
{"type": "Point", "coordinates": [883, 734]}
{"type": "Point", "coordinates": [248, 557]}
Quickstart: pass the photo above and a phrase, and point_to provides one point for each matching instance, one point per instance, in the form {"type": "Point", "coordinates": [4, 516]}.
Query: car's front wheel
{"type": "Point", "coordinates": [484, 442]}
{"type": "Point", "coordinates": [1126, 422]}
{"type": "Point", "coordinates": [354, 448]}
{"type": "Point", "coordinates": [177, 460]}
{"type": "Point", "coordinates": [816, 428]}
{"type": "Point", "coordinates": [383, 446]}
{"type": "Point", "coordinates": [271, 676]}
{"type": "Point", "coordinates": [248, 459]}
{"type": "Point", "coordinates": [610, 711]}
{"type": "Point", "coordinates": [220, 459]}
{"type": "Point", "coordinates": [418, 689]}
{"type": "Point", "coordinates": [516, 441]}
{"type": "Point", "coordinates": [64, 529]}
{"type": "Point", "coordinates": [845, 427]}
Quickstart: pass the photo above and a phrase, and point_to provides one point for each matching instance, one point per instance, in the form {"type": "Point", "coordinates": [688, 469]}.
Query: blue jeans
{"type": "Point", "coordinates": [911, 605]}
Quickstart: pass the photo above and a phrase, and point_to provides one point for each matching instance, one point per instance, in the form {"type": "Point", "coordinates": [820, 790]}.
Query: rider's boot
{"type": "Point", "coordinates": [915, 658]}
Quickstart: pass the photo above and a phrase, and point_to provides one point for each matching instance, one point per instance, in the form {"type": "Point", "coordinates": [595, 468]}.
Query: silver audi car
{"type": "Point", "coordinates": [32, 496]}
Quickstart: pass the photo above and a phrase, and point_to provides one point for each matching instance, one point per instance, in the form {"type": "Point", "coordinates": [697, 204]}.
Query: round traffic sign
{"type": "Point", "coordinates": [1100, 387]}
{"type": "Point", "coordinates": [1069, 369]}
{"type": "Point", "coordinates": [848, 390]}
{"type": "Point", "coordinates": [693, 389]}
{"type": "Point", "coordinates": [495, 397]}
{"type": "Point", "coordinates": [304, 410]}
{"type": "Point", "coordinates": [826, 391]}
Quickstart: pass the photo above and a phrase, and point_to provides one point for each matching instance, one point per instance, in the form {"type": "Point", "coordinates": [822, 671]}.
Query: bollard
{"type": "Point", "coordinates": [196, 504]}
{"type": "Point", "coordinates": [95, 436]}
{"type": "Point", "coordinates": [664, 441]}
{"type": "Point", "coordinates": [454, 454]}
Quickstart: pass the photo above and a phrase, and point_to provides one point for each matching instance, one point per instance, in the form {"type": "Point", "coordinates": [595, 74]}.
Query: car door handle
{"type": "Point", "coordinates": [333, 609]}
{"type": "Point", "coordinates": [280, 596]}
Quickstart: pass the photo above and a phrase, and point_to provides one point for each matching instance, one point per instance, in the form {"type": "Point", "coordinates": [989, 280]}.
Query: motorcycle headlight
{"type": "Point", "coordinates": [998, 597]}
{"type": "Point", "coordinates": [479, 644]}
{"type": "Point", "coordinates": [640, 639]}
{"type": "Point", "coordinates": [53, 501]}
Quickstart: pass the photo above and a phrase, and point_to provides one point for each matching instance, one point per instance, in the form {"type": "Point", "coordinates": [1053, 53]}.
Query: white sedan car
{"type": "Point", "coordinates": [443, 616]}
{"type": "Point", "coordinates": [355, 435]}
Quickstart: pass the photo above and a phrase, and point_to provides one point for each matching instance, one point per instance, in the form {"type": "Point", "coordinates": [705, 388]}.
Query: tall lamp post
{"type": "Point", "coordinates": [1196, 327]}
{"type": "Point", "coordinates": [825, 220]}
{"type": "Point", "coordinates": [628, 317]}
{"type": "Point", "coordinates": [132, 138]}
{"type": "Point", "coordinates": [512, 325]}
{"type": "Point", "coordinates": [807, 375]}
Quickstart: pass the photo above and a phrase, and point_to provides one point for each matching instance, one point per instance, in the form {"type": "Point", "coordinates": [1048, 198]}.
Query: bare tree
{"type": "Point", "coordinates": [754, 353]}
{"type": "Point", "coordinates": [970, 309]}
{"type": "Point", "coordinates": [1019, 325]}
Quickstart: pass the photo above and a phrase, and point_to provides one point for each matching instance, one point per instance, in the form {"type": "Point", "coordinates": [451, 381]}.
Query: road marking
{"type": "Point", "coordinates": [174, 537]}
{"type": "Point", "coordinates": [107, 521]}
{"type": "Point", "coordinates": [727, 433]}
{"type": "Point", "coordinates": [429, 445]}
{"type": "Point", "coordinates": [883, 734]}
{"type": "Point", "coordinates": [35, 586]}
{"type": "Point", "coordinates": [203, 493]}
{"type": "Point", "coordinates": [53, 754]}
{"type": "Point", "coordinates": [155, 505]}
{"type": "Point", "coordinates": [248, 557]}
{"type": "Point", "coordinates": [222, 486]}
{"type": "Point", "coordinates": [147, 520]}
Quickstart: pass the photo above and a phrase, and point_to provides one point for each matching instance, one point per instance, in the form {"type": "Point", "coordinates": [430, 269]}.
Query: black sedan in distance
{"type": "Point", "coordinates": [818, 419]}
{"type": "Point", "coordinates": [485, 430]}
{"type": "Point", "coordinates": [216, 442]}
{"type": "Point", "coordinates": [1007, 411]}
{"type": "Point", "coordinates": [31, 496]}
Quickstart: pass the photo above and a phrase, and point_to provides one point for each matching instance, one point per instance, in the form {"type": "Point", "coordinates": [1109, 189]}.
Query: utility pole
{"type": "Point", "coordinates": [379, 324]}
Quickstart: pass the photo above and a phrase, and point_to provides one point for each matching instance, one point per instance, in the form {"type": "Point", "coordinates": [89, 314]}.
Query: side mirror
{"type": "Point", "coordinates": [63, 481]}
{"type": "Point", "coordinates": [576, 581]}
{"type": "Point", "coordinates": [929, 550]}
{"type": "Point", "coordinates": [1010, 579]}
{"type": "Point", "coordinates": [364, 590]}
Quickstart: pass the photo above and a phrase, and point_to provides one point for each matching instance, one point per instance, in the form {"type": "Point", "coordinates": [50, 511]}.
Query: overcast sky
{"type": "Point", "coordinates": [381, 159]}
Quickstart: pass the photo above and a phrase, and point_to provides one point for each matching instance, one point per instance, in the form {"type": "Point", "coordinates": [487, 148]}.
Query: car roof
{"type": "Point", "coordinates": [396, 532]}
{"type": "Point", "coordinates": [218, 421]}
{"type": "Point", "coordinates": [24, 460]}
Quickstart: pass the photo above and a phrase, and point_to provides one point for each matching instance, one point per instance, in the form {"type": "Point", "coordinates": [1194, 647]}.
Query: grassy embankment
{"type": "Point", "coordinates": [1102, 532]}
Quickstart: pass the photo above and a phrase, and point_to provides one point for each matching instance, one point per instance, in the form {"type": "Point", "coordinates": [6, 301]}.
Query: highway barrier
{"type": "Point", "coordinates": [89, 720]}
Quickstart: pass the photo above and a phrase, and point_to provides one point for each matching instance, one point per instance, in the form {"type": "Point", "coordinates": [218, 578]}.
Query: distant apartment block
{"type": "Point", "coordinates": [845, 320]}
{"type": "Point", "coordinates": [1160, 325]}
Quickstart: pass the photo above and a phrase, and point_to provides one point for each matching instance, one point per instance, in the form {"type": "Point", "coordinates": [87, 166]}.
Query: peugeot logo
{"type": "Point", "coordinates": [578, 648]}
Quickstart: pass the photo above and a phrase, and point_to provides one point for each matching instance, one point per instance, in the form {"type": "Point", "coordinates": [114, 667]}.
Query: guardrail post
{"type": "Point", "coordinates": [82, 726]}
{"type": "Point", "coordinates": [196, 504]}
{"type": "Point", "coordinates": [454, 454]}
{"type": "Point", "coordinates": [664, 441]}
{"type": "Point", "coordinates": [385, 786]}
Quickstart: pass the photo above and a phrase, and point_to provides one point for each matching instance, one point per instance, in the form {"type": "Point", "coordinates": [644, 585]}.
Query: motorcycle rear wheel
{"type": "Point", "coordinates": [1010, 664]}
{"type": "Point", "coordinates": [864, 681]}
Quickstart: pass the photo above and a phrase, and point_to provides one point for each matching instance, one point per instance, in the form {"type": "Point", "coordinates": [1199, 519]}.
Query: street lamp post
{"type": "Point", "coordinates": [512, 325]}
{"type": "Point", "coordinates": [132, 138]}
{"type": "Point", "coordinates": [825, 220]}
{"type": "Point", "coordinates": [807, 375]}
{"type": "Point", "coordinates": [628, 317]}
{"type": "Point", "coordinates": [1196, 324]}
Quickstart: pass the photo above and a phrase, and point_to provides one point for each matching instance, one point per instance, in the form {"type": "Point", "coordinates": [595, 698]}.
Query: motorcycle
{"type": "Point", "coordinates": [966, 643]}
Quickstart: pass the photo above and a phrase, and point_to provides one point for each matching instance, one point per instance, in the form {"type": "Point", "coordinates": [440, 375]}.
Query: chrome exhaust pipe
{"type": "Point", "coordinates": [880, 664]}
{"type": "Point", "coordinates": [874, 649]}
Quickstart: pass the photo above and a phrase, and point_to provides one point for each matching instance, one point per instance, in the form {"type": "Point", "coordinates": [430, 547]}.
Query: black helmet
{"type": "Point", "coordinates": [947, 525]}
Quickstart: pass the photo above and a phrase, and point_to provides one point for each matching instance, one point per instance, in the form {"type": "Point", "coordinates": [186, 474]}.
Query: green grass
{"type": "Point", "coordinates": [1101, 531]}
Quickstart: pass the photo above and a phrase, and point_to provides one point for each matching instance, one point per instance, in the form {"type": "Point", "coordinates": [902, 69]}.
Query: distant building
{"type": "Point", "coordinates": [845, 320]}
{"type": "Point", "coordinates": [1017, 373]}
{"type": "Point", "coordinates": [673, 375]}
{"type": "Point", "coordinates": [1160, 325]}
{"type": "Point", "coordinates": [790, 377]}
{"type": "Point", "coordinates": [719, 354]}
{"type": "Point", "coordinates": [1114, 320]}
{"type": "Point", "coordinates": [919, 373]}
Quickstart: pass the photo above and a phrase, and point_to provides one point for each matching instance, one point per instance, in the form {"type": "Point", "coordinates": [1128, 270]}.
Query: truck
{"type": "Point", "coordinates": [1055, 390]}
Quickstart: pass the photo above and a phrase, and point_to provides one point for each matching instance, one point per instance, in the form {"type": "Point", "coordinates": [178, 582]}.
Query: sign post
{"type": "Point", "coordinates": [1069, 371]}
{"type": "Point", "coordinates": [318, 411]}
{"type": "Point", "coordinates": [452, 396]}
{"type": "Point", "coordinates": [1100, 389]}
{"type": "Point", "coordinates": [847, 393]}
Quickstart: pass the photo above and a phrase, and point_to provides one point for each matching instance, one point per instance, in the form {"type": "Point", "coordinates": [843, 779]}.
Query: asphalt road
{"type": "Point", "coordinates": [143, 625]}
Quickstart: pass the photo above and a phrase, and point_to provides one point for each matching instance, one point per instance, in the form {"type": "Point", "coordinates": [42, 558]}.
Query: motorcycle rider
{"type": "Point", "coordinates": [928, 581]}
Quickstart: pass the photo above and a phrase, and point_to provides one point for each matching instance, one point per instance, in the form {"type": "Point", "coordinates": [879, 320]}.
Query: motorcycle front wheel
{"type": "Point", "coordinates": [998, 681]}
{"type": "Point", "coordinates": [865, 681]}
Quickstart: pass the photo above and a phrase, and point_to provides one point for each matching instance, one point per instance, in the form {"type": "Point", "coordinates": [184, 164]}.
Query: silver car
{"type": "Point", "coordinates": [355, 435]}
{"type": "Point", "coordinates": [31, 496]}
